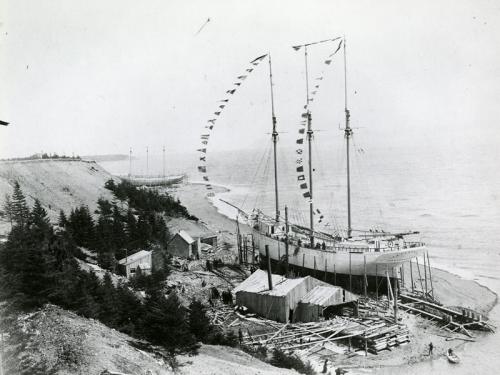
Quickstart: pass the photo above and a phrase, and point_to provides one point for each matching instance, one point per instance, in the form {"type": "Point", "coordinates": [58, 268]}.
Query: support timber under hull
{"type": "Point", "coordinates": [341, 262]}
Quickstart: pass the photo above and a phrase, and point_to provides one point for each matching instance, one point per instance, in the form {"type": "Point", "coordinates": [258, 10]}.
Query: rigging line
{"type": "Point", "coordinates": [259, 165]}
{"type": "Point", "coordinates": [338, 167]}
{"type": "Point", "coordinates": [376, 201]}
{"type": "Point", "coordinates": [264, 180]}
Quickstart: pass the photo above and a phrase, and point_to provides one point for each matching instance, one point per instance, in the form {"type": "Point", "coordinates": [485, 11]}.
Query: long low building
{"type": "Point", "coordinates": [281, 303]}
{"type": "Point", "coordinates": [317, 301]}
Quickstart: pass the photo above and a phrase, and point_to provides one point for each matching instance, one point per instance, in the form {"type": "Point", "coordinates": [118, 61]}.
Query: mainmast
{"type": "Point", "coordinates": [275, 141]}
{"type": "Point", "coordinates": [309, 146]}
{"type": "Point", "coordinates": [347, 134]}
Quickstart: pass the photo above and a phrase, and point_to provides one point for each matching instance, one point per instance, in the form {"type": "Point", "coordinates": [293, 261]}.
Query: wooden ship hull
{"type": "Point", "coordinates": [154, 180]}
{"type": "Point", "coordinates": [371, 262]}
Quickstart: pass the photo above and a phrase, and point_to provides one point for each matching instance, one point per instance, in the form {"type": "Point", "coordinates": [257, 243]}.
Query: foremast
{"type": "Point", "coordinates": [274, 136]}
{"type": "Point", "coordinates": [310, 134]}
{"type": "Point", "coordinates": [347, 134]}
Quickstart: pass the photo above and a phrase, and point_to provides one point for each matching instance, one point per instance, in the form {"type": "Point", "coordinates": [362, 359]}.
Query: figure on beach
{"type": "Point", "coordinates": [431, 348]}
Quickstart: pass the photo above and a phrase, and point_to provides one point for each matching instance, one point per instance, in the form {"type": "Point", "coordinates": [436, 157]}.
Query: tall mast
{"type": "Point", "coordinates": [275, 141]}
{"type": "Point", "coordinates": [147, 160]}
{"type": "Point", "coordinates": [309, 144]}
{"type": "Point", "coordinates": [347, 134]}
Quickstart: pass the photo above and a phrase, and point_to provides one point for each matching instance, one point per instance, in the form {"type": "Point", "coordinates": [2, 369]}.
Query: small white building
{"type": "Point", "coordinates": [142, 259]}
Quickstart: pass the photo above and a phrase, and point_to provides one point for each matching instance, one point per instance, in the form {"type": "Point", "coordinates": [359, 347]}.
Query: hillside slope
{"type": "Point", "coordinates": [61, 342]}
{"type": "Point", "coordinates": [58, 184]}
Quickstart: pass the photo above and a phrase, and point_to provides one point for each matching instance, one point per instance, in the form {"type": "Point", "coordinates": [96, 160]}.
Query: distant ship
{"type": "Point", "coordinates": [365, 253]}
{"type": "Point", "coordinates": [151, 181]}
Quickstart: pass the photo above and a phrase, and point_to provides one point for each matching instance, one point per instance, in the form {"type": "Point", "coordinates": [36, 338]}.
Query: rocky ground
{"type": "Point", "coordinates": [60, 342]}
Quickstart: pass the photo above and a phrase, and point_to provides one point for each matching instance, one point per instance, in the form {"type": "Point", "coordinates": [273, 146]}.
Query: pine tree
{"type": "Point", "coordinates": [108, 304]}
{"type": "Point", "coordinates": [165, 323]}
{"type": "Point", "coordinates": [63, 221]}
{"type": "Point", "coordinates": [39, 216]}
{"type": "Point", "coordinates": [8, 208]}
{"type": "Point", "coordinates": [199, 323]}
{"type": "Point", "coordinates": [20, 211]}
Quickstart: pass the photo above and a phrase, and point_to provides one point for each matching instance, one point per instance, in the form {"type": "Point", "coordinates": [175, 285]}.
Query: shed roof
{"type": "Point", "coordinates": [257, 282]}
{"type": "Point", "coordinates": [185, 236]}
{"type": "Point", "coordinates": [134, 257]}
{"type": "Point", "coordinates": [194, 228]}
{"type": "Point", "coordinates": [320, 295]}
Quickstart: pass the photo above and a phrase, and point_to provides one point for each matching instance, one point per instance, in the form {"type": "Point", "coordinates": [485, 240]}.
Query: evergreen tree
{"type": "Point", "coordinates": [20, 211]}
{"type": "Point", "coordinates": [63, 221]}
{"type": "Point", "coordinates": [81, 226]}
{"type": "Point", "coordinates": [25, 268]}
{"type": "Point", "coordinates": [199, 323]}
{"type": "Point", "coordinates": [131, 231]}
{"type": "Point", "coordinates": [109, 301]}
{"type": "Point", "coordinates": [165, 323]}
{"type": "Point", "coordinates": [8, 208]}
{"type": "Point", "coordinates": [38, 217]}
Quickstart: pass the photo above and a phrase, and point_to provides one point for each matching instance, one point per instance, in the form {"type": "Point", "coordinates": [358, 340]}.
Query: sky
{"type": "Point", "coordinates": [99, 77]}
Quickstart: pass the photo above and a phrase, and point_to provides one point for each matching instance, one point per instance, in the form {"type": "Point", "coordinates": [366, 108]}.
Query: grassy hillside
{"type": "Point", "coordinates": [58, 184]}
{"type": "Point", "coordinates": [61, 342]}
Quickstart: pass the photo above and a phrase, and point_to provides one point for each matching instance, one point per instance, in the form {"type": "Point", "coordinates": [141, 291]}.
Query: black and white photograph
{"type": "Point", "coordinates": [239, 187]}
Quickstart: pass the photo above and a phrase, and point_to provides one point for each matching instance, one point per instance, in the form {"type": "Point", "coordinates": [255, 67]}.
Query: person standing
{"type": "Point", "coordinates": [431, 348]}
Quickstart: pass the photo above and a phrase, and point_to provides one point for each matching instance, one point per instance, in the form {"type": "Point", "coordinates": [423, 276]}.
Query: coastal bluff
{"type": "Point", "coordinates": [59, 184]}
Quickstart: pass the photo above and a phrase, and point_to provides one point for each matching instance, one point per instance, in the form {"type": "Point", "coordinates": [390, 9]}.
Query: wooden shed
{"type": "Point", "coordinates": [140, 260]}
{"type": "Point", "coordinates": [312, 306]}
{"type": "Point", "coordinates": [182, 245]}
{"type": "Point", "coordinates": [279, 303]}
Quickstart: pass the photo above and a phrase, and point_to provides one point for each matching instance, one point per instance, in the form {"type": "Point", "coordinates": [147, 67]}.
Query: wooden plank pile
{"type": "Point", "coordinates": [378, 334]}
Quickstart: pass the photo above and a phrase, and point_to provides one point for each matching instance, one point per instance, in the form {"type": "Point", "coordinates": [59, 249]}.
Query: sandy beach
{"type": "Point", "coordinates": [450, 289]}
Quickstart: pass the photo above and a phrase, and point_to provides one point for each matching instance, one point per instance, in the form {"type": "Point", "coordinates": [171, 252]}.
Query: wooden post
{"type": "Point", "coordinates": [366, 345]}
{"type": "Point", "coordinates": [334, 275]}
{"type": "Point", "coordinates": [269, 274]}
{"type": "Point", "coordinates": [376, 280]}
{"type": "Point", "coordinates": [253, 251]}
{"type": "Point", "coordinates": [365, 280]}
{"type": "Point", "coordinates": [286, 239]}
{"type": "Point", "coordinates": [314, 266]}
{"type": "Point", "coordinates": [425, 275]}
{"type": "Point", "coordinates": [303, 262]}
{"type": "Point", "coordinates": [326, 266]}
{"type": "Point", "coordinates": [411, 277]}
{"type": "Point", "coordinates": [402, 274]}
{"type": "Point", "coordinates": [389, 288]}
{"type": "Point", "coordinates": [420, 275]}
{"type": "Point", "coordinates": [245, 248]}
{"type": "Point", "coordinates": [396, 302]}
{"type": "Point", "coordinates": [350, 274]}
{"type": "Point", "coordinates": [430, 273]}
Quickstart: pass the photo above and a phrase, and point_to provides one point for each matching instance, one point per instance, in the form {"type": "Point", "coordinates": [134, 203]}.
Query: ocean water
{"type": "Point", "coordinates": [450, 194]}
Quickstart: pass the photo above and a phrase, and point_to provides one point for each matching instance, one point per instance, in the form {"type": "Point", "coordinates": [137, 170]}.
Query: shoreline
{"type": "Point", "coordinates": [450, 289]}
{"type": "Point", "coordinates": [442, 275]}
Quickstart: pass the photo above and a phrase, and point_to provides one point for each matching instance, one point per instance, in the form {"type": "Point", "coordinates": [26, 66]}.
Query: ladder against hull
{"type": "Point", "coordinates": [340, 262]}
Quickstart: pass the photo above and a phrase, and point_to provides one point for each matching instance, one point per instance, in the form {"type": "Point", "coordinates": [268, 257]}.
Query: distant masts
{"type": "Point", "coordinates": [147, 161]}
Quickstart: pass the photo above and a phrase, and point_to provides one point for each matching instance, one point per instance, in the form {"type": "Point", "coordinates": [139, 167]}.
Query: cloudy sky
{"type": "Point", "coordinates": [94, 76]}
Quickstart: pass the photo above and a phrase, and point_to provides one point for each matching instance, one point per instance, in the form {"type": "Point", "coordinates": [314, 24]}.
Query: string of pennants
{"type": "Point", "coordinates": [221, 105]}
{"type": "Point", "coordinates": [301, 177]}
